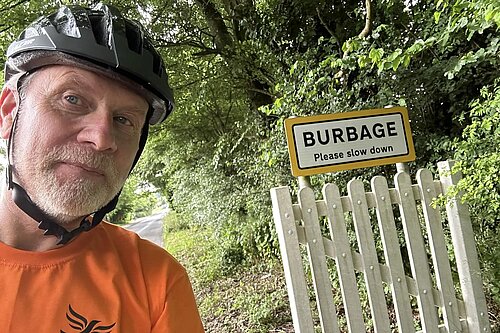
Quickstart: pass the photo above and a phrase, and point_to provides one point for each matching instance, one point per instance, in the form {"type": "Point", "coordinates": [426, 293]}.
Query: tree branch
{"type": "Point", "coordinates": [368, 20]}
{"type": "Point", "coordinates": [205, 49]}
{"type": "Point", "coordinates": [11, 6]}
{"type": "Point", "coordinates": [206, 52]}
{"type": "Point", "coordinates": [328, 29]}
{"type": "Point", "coordinates": [216, 24]}
{"type": "Point", "coordinates": [324, 23]}
{"type": "Point", "coordinates": [5, 29]}
{"type": "Point", "coordinates": [159, 14]}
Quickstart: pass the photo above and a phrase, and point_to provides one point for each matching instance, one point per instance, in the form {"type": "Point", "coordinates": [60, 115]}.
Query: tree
{"type": "Point", "coordinates": [137, 199]}
{"type": "Point", "coordinates": [239, 68]}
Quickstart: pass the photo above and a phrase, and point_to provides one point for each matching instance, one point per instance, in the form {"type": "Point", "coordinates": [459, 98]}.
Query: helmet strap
{"type": "Point", "coordinates": [24, 202]}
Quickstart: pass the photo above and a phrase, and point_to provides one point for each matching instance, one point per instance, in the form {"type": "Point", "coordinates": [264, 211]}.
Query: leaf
{"type": "Point", "coordinates": [351, 45]}
{"type": "Point", "coordinates": [490, 14]}
{"type": "Point", "coordinates": [363, 61]}
{"type": "Point", "coordinates": [396, 62]}
{"type": "Point", "coordinates": [437, 15]}
{"type": "Point", "coordinates": [430, 41]}
{"type": "Point", "coordinates": [496, 18]}
{"type": "Point", "coordinates": [321, 80]}
{"type": "Point", "coordinates": [376, 55]}
{"type": "Point", "coordinates": [406, 60]}
{"type": "Point", "coordinates": [394, 54]}
{"type": "Point", "coordinates": [416, 47]}
{"type": "Point", "coordinates": [462, 22]}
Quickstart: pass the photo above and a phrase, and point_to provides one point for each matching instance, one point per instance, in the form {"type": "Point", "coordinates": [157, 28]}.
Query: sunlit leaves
{"type": "Point", "coordinates": [376, 54]}
{"type": "Point", "coordinates": [217, 155]}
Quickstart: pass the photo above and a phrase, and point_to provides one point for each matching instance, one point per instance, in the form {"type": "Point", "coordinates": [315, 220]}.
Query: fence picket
{"type": "Point", "coordinates": [388, 233]}
{"type": "Point", "coordinates": [292, 260]}
{"type": "Point", "coordinates": [440, 259]}
{"type": "Point", "coordinates": [343, 259]}
{"type": "Point", "coordinates": [416, 251]}
{"type": "Point", "coordinates": [366, 244]}
{"type": "Point", "coordinates": [317, 260]}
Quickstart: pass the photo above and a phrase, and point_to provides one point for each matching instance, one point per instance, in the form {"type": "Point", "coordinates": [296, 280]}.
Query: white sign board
{"type": "Point", "coordinates": [341, 141]}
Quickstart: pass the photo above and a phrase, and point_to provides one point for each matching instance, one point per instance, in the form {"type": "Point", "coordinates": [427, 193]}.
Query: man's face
{"type": "Point", "coordinates": [75, 140]}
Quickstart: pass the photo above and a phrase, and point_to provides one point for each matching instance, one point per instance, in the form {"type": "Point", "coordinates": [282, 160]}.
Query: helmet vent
{"type": "Point", "coordinates": [98, 25]}
{"type": "Point", "coordinates": [134, 37]}
{"type": "Point", "coordinates": [157, 61]}
{"type": "Point", "coordinates": [65, 23]}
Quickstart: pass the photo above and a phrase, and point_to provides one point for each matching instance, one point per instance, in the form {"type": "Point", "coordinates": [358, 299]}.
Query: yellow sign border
{"type": "Point", "coordinates": [292, 150]}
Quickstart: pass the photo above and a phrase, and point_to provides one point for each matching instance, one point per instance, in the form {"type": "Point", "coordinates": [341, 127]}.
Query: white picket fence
{"type": "Point", "coordinates": [340, 234]}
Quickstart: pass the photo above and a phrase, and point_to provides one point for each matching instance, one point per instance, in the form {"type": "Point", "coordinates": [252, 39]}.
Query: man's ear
{"type": "Point", "coordinates": [8, 106]}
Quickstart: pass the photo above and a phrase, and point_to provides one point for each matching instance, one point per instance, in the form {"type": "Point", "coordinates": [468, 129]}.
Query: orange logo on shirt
{"type": "Point", "coordinates": [82, 325]}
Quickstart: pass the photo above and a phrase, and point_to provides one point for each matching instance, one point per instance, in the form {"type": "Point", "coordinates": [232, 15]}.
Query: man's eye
{"type": "Point", "coordinates": [72, 99]}
{"type": "Point", "coordinates": [123, 120]}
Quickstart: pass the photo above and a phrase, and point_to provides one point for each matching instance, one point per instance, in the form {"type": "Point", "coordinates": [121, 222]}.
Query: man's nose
{"type": "Point", "coordinates": [98, 131]}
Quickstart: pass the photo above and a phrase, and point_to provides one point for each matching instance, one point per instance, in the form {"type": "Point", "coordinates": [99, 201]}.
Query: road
{"type": "Point", "coordinates": [150, 227]}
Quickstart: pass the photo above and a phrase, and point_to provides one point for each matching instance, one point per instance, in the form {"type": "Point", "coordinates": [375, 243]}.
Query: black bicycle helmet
{"type": "Point", "coordinates": [99, 39]}
{"type": "Point", "coordinates": [96, 38]}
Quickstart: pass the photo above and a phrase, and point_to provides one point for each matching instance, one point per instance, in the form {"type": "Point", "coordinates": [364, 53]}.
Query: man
{"type": "Point", "coordinates": [82, 87]}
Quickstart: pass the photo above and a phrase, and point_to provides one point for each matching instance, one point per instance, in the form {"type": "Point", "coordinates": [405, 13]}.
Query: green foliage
{"type": "Point", "coordinates": [15, 16]}
{"type": "Point", "coordinates": [479, 155]}
{"type": "Point", "coordinates": [218, 155]}
{"type": "Point", "coordinates": [249, 299]}
{"type": "Point", "coordinates": [436, 69]}
{"type": "Point", "coordinates": [240, 68]}
{"type": "Point", "coordinates": [136, 200]}
{"type": "Point", "coordinates": [174, 222]}
{"type": "Point", "coordinates": [196, 248]}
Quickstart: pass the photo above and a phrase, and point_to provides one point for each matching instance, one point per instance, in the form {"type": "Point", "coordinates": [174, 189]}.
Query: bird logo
{"type": "Point", "coordinates": [82, 325]}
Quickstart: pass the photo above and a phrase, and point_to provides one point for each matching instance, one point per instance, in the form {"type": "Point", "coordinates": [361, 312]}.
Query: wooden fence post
{"type": "Point", "coordinates": [403, 167]}
{"type": "Point", "coordinates": [465, 253]}
{"type": "Point", "coordinates": [304, 181]}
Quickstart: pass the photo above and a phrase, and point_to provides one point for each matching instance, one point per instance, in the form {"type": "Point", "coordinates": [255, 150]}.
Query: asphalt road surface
{"type": "Point", "coordinates": [150, 227]}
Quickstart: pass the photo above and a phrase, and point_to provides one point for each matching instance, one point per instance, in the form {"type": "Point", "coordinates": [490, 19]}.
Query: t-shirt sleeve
{"type": "Point", "coordinates": [180, 314]}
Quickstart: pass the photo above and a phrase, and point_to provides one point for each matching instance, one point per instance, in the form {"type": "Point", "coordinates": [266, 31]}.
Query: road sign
{"type": "Point", "coordinates": [349, 140]}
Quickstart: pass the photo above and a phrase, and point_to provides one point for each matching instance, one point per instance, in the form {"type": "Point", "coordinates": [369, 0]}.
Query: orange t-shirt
{"type": "Point", "coordinates": [106, 280]}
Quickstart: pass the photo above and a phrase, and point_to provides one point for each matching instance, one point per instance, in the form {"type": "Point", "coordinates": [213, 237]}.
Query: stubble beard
{"type": "Point", "coordinates": [71, 198]}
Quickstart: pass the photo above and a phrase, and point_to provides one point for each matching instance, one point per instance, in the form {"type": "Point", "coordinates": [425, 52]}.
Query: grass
{"type": "Point", "coordinates": [250, 299]}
